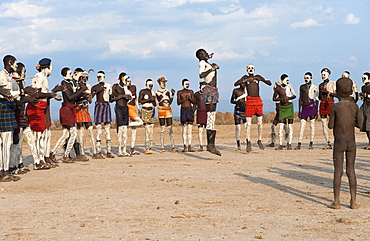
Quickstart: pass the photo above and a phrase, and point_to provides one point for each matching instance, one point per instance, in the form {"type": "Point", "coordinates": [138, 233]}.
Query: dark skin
{"type": "Point", "coordinates": [344, 116]}
{"type": "Point", "coordinates": [151, 98]}
{"type": "Point", "coordinates": [203, 55]}
{"type": "Point", "coordinates": [70, 97]}
{"type": "Point", "coordinates": [98, 91]}
{"type": "Point", "coordinates": [365, 94]}
{"type": "Point", "coordinates": [132, 88]}
{"type": "Point", "coordinates": [118, 95]}
{"type": "Point", "coordinates": [304, 98]}
{"type": "Point", "coordinates": [186, 98]}
{"type": "Point", "coordinates": [279, 95]}
{"type": "Point", "coordinates": [252, 83]}
{"type": "Point", "coordinates": [82, 80]}
{"type": "Point", "coordinates": [198, 101]}
{"type": "Point", "coordinates": [166, 102]}
{"type": "Point", "coordinates": [240, 103]}
{"type": "Point", "coordinates": [324, 94]}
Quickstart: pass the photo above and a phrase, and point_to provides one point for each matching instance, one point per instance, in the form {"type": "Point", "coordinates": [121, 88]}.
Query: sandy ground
{"type": "Point", "coordinates": [271, 195]}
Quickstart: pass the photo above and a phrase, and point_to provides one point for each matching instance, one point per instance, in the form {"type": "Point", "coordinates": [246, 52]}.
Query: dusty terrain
{"type": "Point", "coordinates": [270, 195]}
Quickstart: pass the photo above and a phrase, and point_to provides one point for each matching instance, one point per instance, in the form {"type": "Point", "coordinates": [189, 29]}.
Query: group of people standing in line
{"type": "Point", "coordinates": [25, 113]}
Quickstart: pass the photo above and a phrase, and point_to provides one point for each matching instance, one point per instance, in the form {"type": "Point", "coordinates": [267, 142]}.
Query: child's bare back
{"type": "Point", "coordinates": [344, 116]}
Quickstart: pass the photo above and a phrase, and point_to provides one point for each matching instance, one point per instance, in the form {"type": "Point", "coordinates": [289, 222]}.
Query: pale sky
{"type": "Point", "coordinates": [149, 39]}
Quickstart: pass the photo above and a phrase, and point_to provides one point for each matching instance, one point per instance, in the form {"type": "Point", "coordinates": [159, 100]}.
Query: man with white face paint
{"type": "Point", "coordinates": [121, 95]}
{"type": "Point", "coordinates": [67, 115]}
{"type": "Point", "coordinates": [39, 115]}
{"type": "Point", "coordinates": [148, 101]}
{"type": "Point", "coordinates": [186, 99]}
{"type": "Point", "coordinates": [83, 117]}
{"type": "Point", "coordinates": [210, 96]}
{"type": "Point", "coordinates": [164, 100]}
{"type": "Point", "coordinates": [135, 120]}
{"type": "Point", "coordinates": [354, 95]}
{"type": "Point", "coordinates": [365, 107]}
{"type": "Point", "coordinates": [308, 104]}
{"type": "Point", "coordinates": [102, 113]}
{"type": "Point", "coordinates": [238, 99]}
{"type": "Point", "coordinates": [7, 118]}
{"type": "Point", "coordinates": [285, 94]}
{"type": "Point", "coordinates": [327, 93]}
{"type": "Point", "coordinates": [254, 105]}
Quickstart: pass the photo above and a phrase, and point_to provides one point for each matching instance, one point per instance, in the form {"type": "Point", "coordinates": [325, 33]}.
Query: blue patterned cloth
{"type": "Point", "coordinates": [7, 116]}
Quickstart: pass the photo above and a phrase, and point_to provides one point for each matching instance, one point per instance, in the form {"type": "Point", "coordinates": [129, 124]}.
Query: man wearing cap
{"type": "Point", "coordinates": [39, 115]}
{"type": "Point", "coordinates": [254, 105]}
{"type": "Point", "coordinates": [186, 99]}
{"type": "Point", "coordinates": [148, 102]}
{"type": "Point", "coordinates": [164, 99]}
{"type": "Point", "coordinates": [102, 113]}
{"type": "Point", "coordinates": [327, 92]}
{"type": "Point", "coordinates": [210, 95]}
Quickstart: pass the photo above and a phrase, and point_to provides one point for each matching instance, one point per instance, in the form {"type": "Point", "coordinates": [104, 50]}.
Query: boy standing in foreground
{"type": "Point", "coordinates": [344, 116]}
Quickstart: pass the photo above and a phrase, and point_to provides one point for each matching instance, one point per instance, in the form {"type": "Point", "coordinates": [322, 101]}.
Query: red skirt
{"type": "Point", "coordinates": [325, 110]}
{"type": "Point", "coordinates": [67, 114]}
{"type": "Point", "coordinates": [36, 116]}
{"type": "Point", "coordinates": [253, 106]}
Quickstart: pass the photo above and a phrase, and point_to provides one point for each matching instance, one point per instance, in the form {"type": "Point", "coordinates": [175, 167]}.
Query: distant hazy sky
{"type": "Point", "coordinates": [149, 39]}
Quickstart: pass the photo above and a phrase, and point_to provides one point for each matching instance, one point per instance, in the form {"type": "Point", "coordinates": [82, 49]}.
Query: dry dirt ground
{"type": "Point", "coordinates": [270, 195]}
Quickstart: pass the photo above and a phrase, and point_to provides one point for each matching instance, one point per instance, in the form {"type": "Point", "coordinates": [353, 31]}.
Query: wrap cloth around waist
{"type": "Point", "coordinates": [239, 113]}
{"type": "Point", "coordinates": [67, 114]}
{"type": "Point", "coordinates": [36, 115]}
{"type": "Point", "coordinates": [82, 114]}
{"type": "Point", "coordinates": [102, 112]}
{"type": "Point", "coordinates": [253, 106]}
{"type": "Point", "coordinates": [164, 112]}
{"type": "Point", "coordinates": [122, 118]}
{"type": "Point", "coordinates": [286, 112]}
{"type": "Point", "coordinates": [308, 109]}
{"type": "Point", "coordinates": [187, 114]}
{"type": "Point", "coordinates": [201, 117]}
{"type": "Point", "coordinates": [210, 94]}
{"type": "Point", "coordinates": [7, 116]}
{"type": "Point", "coordinates": [325, 106]}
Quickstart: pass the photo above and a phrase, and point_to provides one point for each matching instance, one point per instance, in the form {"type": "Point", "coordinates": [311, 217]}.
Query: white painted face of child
{"type": "Point", "coordinates": [250, 69]}
{"type": "Point", "coordinates": [101, 77]}
{"type": "Point", "coordinates": [186, 85]}
{"type": "Point", "coordinates": [162, 84]}
{"type": "Point", "coordinates": [365, 79]}
{"type": "Point", "coordinates": [325, 75]}
{"type": "Point", "coordinates": [307, 79]}
{"type": "Point", "coordinates": [285, 81]}
{"type": "Point", "coordinates": [345, 75]}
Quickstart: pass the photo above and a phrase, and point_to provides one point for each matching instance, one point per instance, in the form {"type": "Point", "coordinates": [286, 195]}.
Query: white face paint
{"type": "Point", "coordinates": [325, 75]}
{"type": "Point", "coordinates": [186, 85]}
{"type": "Point", "coordinates": [14, 65]}
{"type": "Point", "coordinates": [285, 81]}
{"type": "Point", "coordinates": [307, 78]}
{"type": "Point", "coordinates": [48, 71]}
{"type": "Point", "coordinates": [101, 77]}
{"type": "Point", "coordinates": [345, 75]}
{"type": "Point", "coordinates": [128, 81]}
{"type": "Point", "coordinates": [149, 85]}
{"type": "Point", "coordinates": [76, 76]}
{"type": "Point", "coordinates": [162, 84]}
{"type": "Point", "coordinates": [365, 79]}
{"type": "Point", "coordinates": [250, 69]}
{"type": "Point", "coordinates": [68, 75]}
